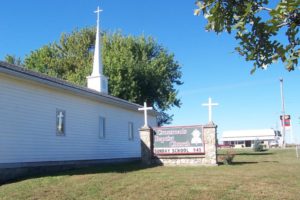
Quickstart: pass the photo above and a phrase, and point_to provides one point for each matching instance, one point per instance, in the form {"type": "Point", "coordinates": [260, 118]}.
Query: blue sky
{"type": "Point", "coordinates": [209, 66]}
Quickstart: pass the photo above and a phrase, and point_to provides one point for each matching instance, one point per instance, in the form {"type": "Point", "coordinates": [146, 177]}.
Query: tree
{"type": "Point", "coordinates": [69, 59]}
{"type": "Point", "coordinates": [13, 60]}
{"type": "Point", "coordinates": [138, 68]}
{"type": "Point", "coordinates": [258, 28]}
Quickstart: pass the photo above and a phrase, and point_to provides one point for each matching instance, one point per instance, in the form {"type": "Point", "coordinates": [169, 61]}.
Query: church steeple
{"type": "Point", "coordinates": [97, 81]}
{"type": "Point", "coordinates": [97, 65]}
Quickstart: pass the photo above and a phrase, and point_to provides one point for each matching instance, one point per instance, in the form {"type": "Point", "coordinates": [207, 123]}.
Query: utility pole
{"type": "Point", "coordinates": [283, 113]}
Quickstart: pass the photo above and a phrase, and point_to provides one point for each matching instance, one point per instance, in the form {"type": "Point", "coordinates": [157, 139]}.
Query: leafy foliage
{"type": "Point", "coordinates": [69, 59]}
{"type": "Point", "coordinates": [138, 68]}
{"type": "Point", "coordinates": [141, 70]}
{"type": "Point", "coordinates": [257, 28]}
{"type": "Point", "coordinates": [227, 158]}
{"type": "Point", "coordinates": [258, 147]}
{"type": "Point", "coordinates": [13, 60]}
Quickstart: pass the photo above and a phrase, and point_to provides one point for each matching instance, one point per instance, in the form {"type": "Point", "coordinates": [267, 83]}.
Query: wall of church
{"type": "Point", "coordinates": [28, 132]}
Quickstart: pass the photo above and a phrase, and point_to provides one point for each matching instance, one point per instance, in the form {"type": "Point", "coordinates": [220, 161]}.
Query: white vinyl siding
{"type": "Point", "coordinates": [28, 125]}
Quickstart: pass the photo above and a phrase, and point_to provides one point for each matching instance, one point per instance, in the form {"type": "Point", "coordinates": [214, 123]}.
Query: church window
{"type": "Point", "coordinates": [60, 122]}
{"type": "Point", "coordinates": [130, 131]}
{"type": "Point", "coordinates": [101, 127]}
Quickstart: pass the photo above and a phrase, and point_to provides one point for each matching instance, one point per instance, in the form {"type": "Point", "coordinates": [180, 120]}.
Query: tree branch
{"type": "Point", "coordinates": [265, 8]}
{"type": "Point", "coordinates": [283, 24]}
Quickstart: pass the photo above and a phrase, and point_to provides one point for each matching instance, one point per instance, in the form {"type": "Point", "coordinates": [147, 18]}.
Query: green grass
{"type": "Point", "coordinates": [273, 174]}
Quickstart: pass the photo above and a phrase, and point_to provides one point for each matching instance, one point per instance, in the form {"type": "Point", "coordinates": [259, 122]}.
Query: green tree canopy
{"type": "Point", "coordinates": [138, 68]}
{"type": "Point", "coordinates": [13, 60]}
{"type": "Point", "coordinates": [264, 34]}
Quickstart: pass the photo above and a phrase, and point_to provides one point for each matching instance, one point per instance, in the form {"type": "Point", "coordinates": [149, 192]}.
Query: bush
{"type": "Point", "coordinates": [258, 147]}
{"type": "Point", "coordinates": [227, 158]}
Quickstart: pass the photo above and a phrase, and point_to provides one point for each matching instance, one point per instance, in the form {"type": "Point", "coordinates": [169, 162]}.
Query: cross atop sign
{"type": "Point", "coordinates": [210, 105]}
{"type": "Point", "coordinates": [145, 109]}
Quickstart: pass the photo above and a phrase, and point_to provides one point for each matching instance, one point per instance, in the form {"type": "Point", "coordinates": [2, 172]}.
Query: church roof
{"type": "Point", "coordinates": [23, 73]}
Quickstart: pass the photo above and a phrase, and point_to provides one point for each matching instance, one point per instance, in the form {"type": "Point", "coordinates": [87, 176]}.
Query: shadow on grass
{"type": "Point", "coordinates": [247, 163]}
{"type": "Point", "coordinates": [269, 161]}
{"type": "Point", "coordinates": [254, 153]}
{"type": "Point", "coordinates": [238, 163]}
{"type": "Point", "coordinates": [84, 170]}
{"type": "Point", "coordinates": [243, 163]}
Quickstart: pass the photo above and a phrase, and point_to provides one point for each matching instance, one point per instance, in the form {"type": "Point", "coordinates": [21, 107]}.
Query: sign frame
{"type": "Point", "coordinates": [176, 128]}
{"type": "Point", "coordinates": [286, 122]}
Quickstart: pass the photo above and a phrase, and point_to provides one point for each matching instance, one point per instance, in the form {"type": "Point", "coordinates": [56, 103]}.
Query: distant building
{"type": "Point", "coordinates": [246, 138]}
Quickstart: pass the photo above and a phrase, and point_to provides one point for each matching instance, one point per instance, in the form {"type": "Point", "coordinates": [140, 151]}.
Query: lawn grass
{"type": "Point", "coordinates": [273, 174]}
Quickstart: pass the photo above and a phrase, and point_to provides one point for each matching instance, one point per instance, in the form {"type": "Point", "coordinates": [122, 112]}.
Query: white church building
{"type": "Point", "coordinates": [45, 120]}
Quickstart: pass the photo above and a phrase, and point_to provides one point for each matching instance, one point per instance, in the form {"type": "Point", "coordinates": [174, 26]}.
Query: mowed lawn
{"type": "Point", "coordinates": [273, 174]}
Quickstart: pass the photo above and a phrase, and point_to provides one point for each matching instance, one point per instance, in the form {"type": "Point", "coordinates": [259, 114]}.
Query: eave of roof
{"type": "Point", "coordinates": [24, 73]}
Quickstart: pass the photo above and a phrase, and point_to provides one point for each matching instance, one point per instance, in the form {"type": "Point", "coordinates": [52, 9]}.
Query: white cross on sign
{"type": "Point", "coordinates": [145, 108]}
{"type": "Point", "coordinates": [60, 117]}
{"type": "Point", "coordinates": [210, 105]}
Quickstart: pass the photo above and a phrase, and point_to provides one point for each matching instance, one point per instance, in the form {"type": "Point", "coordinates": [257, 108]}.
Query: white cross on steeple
{"type": "Point", "coordinates": [145, 109]}
{"type": "Point", "coordinates": [210, 105]}
{"type": "Point", "coordinates": [98, 11]}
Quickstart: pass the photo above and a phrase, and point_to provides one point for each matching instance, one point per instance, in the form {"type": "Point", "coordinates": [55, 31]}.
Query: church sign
{"type": "Point", "coordinates": [287, 120]}
{"type": "Point", "coordinates": [181, 140]}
